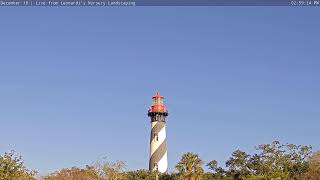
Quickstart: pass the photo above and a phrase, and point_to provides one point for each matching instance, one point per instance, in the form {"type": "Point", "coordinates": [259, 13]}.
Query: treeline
{"type": "Point", "coordinates": [273, 161]}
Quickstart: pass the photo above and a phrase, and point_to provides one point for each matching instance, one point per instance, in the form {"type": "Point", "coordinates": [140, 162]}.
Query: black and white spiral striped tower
{"type": "Point", "coordinates": [158, 145]}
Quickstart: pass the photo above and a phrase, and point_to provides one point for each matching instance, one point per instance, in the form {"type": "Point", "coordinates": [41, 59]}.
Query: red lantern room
{"type": "Point", "coordinates": [158, 107]}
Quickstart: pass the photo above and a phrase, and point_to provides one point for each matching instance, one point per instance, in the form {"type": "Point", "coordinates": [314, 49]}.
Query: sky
{"type": "Point", "coordinates": [76, 83]}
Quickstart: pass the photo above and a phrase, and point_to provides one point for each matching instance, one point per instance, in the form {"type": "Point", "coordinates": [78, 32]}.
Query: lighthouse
{"type": "Point", "coordinates": [158, 145]}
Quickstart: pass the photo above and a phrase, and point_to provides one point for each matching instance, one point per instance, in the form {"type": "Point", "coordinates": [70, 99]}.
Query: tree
{"type": "Point", "coordinates": [238, 165]}
{"type": "Point", "coordinates": [111, 170]}
{"type": "Point", "coordinates": [171, 176]}
{"type": "Point", "coordinates": [190, 166]}
{"type": "Point", "coordinates": [216, 172]}
{"type": "Point", "coordinates": [12, 168]}
{"type": "Point", "coordinates": [313, 170]}
{"type": "Point", "coordinates": [74, 173]}
{"type": "Point", "coordinates": [140, 175]}
{"type": "Point", "coordinates": [278, 160]}
{"type": "Point", "coordinates": [212, 165]}
{"type": "Point", "coordinates": [273, 161]}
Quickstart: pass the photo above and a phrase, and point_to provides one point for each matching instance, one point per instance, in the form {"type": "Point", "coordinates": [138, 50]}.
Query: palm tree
{"type": "Point", "coordinates": [190, 166]}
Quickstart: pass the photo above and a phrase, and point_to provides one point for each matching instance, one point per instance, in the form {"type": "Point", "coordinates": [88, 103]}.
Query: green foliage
{"type": "Point", "coordinates": [213, 165]}
{"type": "Point", "coordinates": [148, 175]}
{"type": "Point", "coordinates": [12, 168]}
{"type": "Point", "coordinates": [111, 170]}
{"type": "Point", "coordinates": [238, 165]}
{"type": "Point", "coordinates": [172, 176]}
{"type": "Point", "coordinates": [190, 166]}
{"type": "Point", "coordinates": [283, 161]}
{"type": "Point", "coordinates": [140, 175]}
{"type": "Point", "coordinates": [313, 171]}
{"type": "Point", "coordinates": [217, 173]}
{"type": "Point", "coordinates": [74, 173]}
{"type": "Point", "coordinates": [273, 161]}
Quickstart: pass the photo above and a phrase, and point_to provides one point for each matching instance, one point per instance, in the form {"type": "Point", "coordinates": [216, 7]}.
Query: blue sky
{"type": "Point", "coordinates": [76, 83]}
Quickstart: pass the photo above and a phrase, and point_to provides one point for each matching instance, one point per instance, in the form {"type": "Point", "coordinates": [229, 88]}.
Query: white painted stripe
{"type": "Point", "coordinates": [153, 124]}
{"type": "Point", "coordinates": [163, 163]}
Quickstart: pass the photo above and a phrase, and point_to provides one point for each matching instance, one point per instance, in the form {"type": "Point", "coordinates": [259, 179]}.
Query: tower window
{"type": "Point", "coordinates": [155, 166]}
{"type": "Point", "coordinates": [155, 137]}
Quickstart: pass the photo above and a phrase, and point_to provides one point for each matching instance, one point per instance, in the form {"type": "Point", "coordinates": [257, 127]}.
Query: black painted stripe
{"type": "Point", "coordinates": [156, 129]}
{"type": "Point", "coordinates": [158, 154]}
